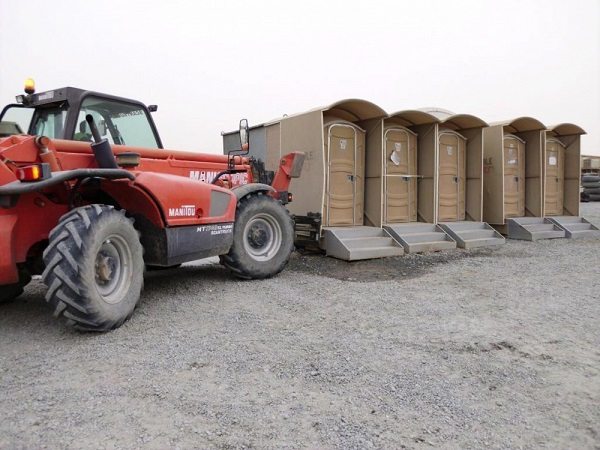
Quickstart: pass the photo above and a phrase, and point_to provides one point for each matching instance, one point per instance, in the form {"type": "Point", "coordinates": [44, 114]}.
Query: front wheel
{"type": "Point", "coordinates": [94, 268]}
{"type": "Point", "coordinates": [263, 238]}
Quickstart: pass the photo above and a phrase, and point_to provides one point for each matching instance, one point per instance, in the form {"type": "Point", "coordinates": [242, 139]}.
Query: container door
{"type": "Point", "coordinates": [514, 176]}
{"type": "Point", "coordinates": [451, 179]}
{"type": "Point", "coordinates": [341, 177]}
{"type": "Point", "coordinates": [400, 176]}
{"type": "Point", "coordinates": [555, 177]}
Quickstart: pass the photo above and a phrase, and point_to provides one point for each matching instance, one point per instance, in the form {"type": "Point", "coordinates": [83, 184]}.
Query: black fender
{"type": "Point", "coordinates": [246, 189]}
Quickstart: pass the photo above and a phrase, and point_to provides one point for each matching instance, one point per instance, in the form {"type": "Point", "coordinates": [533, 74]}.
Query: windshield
{"type": "Point", "coordinates": [15, 120]}
{"type": "Point", "coordinates": [120, 122]}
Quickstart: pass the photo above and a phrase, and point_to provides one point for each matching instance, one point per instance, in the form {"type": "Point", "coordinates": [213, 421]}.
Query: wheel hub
{"type": "Point", "coordinates": [104, 267]}
{"type": "Point", "coordinates": [113, 268]}
{"type": "Point", "coordinates": [262, 237]}
{"type": "Point", "coordinates": [258, 235]}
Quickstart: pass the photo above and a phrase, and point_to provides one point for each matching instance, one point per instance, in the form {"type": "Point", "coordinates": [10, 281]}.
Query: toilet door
{"type": "Point", "coordinates": [400, 176]}
{"type": "Point", "coordinates": [514, 176]}
{"type": "Point", "coordinates": [451, 177]}
{"type": "Point", "coordinates": [341, 174]}
{"type": "Point", "coordinates": [555, 177]}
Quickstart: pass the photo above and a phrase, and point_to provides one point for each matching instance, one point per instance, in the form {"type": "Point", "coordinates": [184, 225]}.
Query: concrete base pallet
{"type": "Point", "coordinates": [576, 227]}
{"type": "Point", "coordinates": [420, 237]}
{"type": "Point", "coordinates": [472, 234]}
{"type": "Point", "coordinates": [533, 229]}
{"type": "Point", "coordinates": [354, 243]}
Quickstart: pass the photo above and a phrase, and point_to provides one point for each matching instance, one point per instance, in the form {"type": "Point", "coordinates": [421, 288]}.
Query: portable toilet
{"type": "Point", "coordinates": [562, 170]}
{"type": "Point", "coordinates": [328, 204]}
{"type": "Point", "coordinates": [513, 197]}
{"type": "Point", "coordinates": [400, 189]}
{"type": "Point", "coordinates": [459, 201]}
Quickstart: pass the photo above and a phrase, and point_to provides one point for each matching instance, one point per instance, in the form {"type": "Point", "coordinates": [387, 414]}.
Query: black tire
{"type": "Point", "coordinates": [94, 268]}
{"type": "Point", "coordinates": [590, 179]}
{"type": "Point", "coordinates": [584, 198]}
{"type": "Point", "coordinates": [592, 191]}
{"type": "Point", "coordinates": [263, 238]}
{"type": "Point", "coordinates": [9, 292]}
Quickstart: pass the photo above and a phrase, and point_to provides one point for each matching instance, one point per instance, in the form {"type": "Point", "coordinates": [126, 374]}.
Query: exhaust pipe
{"type": "Point", "coordinates": [101, 148]}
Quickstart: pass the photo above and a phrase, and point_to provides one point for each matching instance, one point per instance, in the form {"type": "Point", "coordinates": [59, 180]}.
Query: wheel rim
{"type": "Point", "coordinates": [262, 237]}
{"type": "Point", "coordinates": [113, 269]}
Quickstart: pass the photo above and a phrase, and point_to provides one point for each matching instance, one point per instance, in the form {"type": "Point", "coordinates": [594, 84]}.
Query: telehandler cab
{"type": "Point", "coordinates": [89, 198]}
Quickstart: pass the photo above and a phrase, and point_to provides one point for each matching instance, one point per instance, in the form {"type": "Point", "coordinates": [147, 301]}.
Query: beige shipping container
{"type": "Point", "coordinates": [562, 170]}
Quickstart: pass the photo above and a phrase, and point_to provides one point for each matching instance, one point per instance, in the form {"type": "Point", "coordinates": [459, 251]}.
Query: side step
{"type": "Point", "coordinates": [533, 229]}
{"type": "Point", "coordinates": [354, 243]}
{"type": "Point", "coordinates": [472, 234]}
{"type": "Point", "coordinates": [576, 227]}
{"type": "Point", "coordinates": [420, 237]}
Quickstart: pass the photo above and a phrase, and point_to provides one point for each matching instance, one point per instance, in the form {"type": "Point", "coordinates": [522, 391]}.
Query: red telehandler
{"type": "Point", "coordinates": [89, 198]}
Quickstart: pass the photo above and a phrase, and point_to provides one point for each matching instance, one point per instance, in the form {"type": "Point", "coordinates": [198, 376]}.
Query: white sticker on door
{"type": "Point", "coordinates": [449, 150]}
{"type": "Point", "coordinates": [395, 157]}
{"type": "Point", "coordinates": [398, 146]}
{"type": "Point", "coordinates": [343, 144]}
{"type": "Point", "coordinates": [512, 156]}
{"type": "Point", "coordinates": [552, 160]}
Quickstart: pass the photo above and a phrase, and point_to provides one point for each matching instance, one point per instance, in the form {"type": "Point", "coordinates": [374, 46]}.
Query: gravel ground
{"type": "Point", "coordinates": [497, 348]}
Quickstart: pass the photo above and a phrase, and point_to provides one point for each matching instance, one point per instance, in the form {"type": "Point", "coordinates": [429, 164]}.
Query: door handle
{"type": "Point", "coordinates": [455, 179]}
{"type": "Point", "coordinates": [517, 179]}
{"type": "Point", "coordinates": [351, 178]}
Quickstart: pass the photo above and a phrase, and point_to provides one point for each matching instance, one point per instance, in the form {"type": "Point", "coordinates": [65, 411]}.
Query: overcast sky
{"type": "Point", "coordinates": [209, 63]}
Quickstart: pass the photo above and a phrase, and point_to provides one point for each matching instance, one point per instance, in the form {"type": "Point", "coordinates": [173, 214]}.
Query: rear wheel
{"type": "Point", "coordinates": [263, 238]}
{"type": "Point", "coordinates": [94, 268]}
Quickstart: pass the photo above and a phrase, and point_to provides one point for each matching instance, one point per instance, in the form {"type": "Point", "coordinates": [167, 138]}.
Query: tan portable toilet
{"type": "Point", "coordinates": [459, 201]}
{"type": "Point", "coordinates": [400, 169]}
{"type": "Point", "coordinates": [513, 198]}
{"type": "Point", "coordinates": [328, 204]}
{"type": "Point", "coordinates": [400, 180]}
{"type": "Point", "coordinates": [344, 151]}
{"type": "Point", "coordinates": [562, 171]}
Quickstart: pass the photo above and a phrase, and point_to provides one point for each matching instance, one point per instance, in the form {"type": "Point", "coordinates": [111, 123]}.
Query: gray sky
{"type": "Point", "coordinates": [209, 63]}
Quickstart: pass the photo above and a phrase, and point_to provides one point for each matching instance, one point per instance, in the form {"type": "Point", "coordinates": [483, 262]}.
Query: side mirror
{"type": "Point", "coordinates": [244, 135]}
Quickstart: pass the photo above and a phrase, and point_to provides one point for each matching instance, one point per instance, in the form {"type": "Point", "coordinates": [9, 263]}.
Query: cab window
{"type": "Point", "coordinates": [121, 123]}
{"type": "Point", "coordinates": [15, 120]}
{"type": "Point", "coordinates": [49, 122]}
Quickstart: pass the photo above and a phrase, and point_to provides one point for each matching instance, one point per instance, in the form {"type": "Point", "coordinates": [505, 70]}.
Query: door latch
{"type": "Point", "coordinates": [351, 178]}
